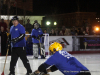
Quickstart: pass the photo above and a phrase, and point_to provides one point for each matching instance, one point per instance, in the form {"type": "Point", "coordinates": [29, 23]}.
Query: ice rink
{"type": "Point", "coordinates": [91, 61]}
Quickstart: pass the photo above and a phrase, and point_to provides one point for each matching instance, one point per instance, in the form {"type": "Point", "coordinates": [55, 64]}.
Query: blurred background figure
{"type": "Point", "coordinates": [67, 32]}
{"type": "Point", "coordinates": [28, 26]}
{"type": "Point", "coordinates": [56, 31]}
{"type": "Point", "coordinates": [52, 33]}
{"type": "Point", "coordinates": [3, 41]}
{"type": "Point", "coordinates": [74, 31]}
{"type": "Point", "coordinates": [45, 31]}
{"type": "Point", "coordinates": [87, 30]}
{"type": "Point", "coordinates": [63, 29]}
{"type": "Point", "coordinates": [10, 24]}
{"type": "Point", "coordinates": [60, 33]}
{"type": "Point", "coordinates": [80, 31]}
{"type": "Point", "coordinates": [48, 30]}
{"type": "Point", "coordinates": [3, 24]}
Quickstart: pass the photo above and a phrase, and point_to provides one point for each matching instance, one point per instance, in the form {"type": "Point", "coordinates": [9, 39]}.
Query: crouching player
{"type": "Point", "coordinates": [63, 61]}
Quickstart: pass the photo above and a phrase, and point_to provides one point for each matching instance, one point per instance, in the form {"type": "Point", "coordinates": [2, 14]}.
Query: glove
{"type": "Point", "coordinates": [38, 38]}
{"type": "Point", "coordinates": [14, 40]}
{"type": "Point", "coordinates": [34, 37]}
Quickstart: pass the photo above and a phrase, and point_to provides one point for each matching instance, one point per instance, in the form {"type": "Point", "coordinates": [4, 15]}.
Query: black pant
{"type": "Point", "coordinates": [16, 53]}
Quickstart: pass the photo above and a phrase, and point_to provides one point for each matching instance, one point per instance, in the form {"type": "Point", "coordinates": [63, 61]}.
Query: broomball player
{"type": "Point", "coordinates": [62, 61]}
{"type": "Point", "coordinates": [17, 32]}
{"type": "Point", "coordinates": [36, 37]}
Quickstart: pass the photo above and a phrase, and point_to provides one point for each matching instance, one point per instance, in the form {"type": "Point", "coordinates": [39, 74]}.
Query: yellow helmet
{"type": "Point", "coordinates": [56, 46]}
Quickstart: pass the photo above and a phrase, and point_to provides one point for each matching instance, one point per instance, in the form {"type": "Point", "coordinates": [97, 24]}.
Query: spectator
{"type": "Point", "coordinates": [63, 29]}
{"type": "Point", "coordinates": [48, 30]}
{"type": "Point", "coordinates": [74, 31]}
{"type": "Point", "coordinates": [56, 31]}
{"type": "Point", "coordinates": [3, 24]}
{"type": "Point", "coordinates": [81, 31]}
{"type": "Point", "coordinates": [52, 33]}
{"type": "Point", "coordinates": [60, 33]}
{"type": "Point", "coordinates": [28, 26]}
{"type": "Point", "coordinates": [10, 24]}
{"type": "Point", "coordinates": [3, 41]}
{"type": "Point", "coordinates": [67, 32]}
{"type": "Point", "coordinates": [84, 33]}
{"type": "Point", "coordinates": [45, 31]}
{"type": "Point", "coordinates": [87, 30]}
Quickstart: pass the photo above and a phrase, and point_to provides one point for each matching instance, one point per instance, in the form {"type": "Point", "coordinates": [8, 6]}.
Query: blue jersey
{"type": "Point", "coordinates": [66, 63]}
{"type": "Point", "coordinates": [16, 31]}
{"type": "Point", "coordinates": [36, 32]}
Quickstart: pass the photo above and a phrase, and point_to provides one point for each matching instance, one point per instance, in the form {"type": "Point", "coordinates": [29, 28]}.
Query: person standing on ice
{"type": "Point", "coordinates": [36, 37]}
{"type": "Point", "coordinates": [18, 43]}
{"type": "Point", "coordinates": [63, 61]}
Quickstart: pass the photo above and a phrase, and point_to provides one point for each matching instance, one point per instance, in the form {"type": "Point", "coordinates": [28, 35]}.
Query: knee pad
{"type": "Point", "coordinates": [35, 46]}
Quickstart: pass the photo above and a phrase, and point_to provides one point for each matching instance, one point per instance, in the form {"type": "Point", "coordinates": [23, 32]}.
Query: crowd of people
{"type": "Point", "coordinates": [74, 31]}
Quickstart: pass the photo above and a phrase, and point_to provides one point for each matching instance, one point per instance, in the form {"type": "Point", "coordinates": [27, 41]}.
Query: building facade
{"type": "Point", "coordinates": [71, 19]}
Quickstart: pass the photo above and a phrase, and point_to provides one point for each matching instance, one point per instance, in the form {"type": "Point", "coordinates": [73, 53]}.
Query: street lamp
{"type": "Point", "coordinates": [55, 23]}
{"type": "Point", "coordinates": [48, 23]}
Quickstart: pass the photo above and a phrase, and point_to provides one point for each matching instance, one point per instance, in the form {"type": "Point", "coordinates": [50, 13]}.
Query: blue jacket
{"type": "Point", "coordinates": [66, 63]}
{"type": "Point", "coordinates": [36, 32]}
{"type": "Point", "coordinates": [16, 31]}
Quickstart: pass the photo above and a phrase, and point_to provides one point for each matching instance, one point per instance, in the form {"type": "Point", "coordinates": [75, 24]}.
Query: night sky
{"type": "Point", "coordinates": [48, 7]}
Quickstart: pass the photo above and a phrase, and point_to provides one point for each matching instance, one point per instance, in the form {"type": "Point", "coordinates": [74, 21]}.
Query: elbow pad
{"type": "Point", "coordinates": [14, 40]}
{"type": "Point", "coordinates": [43, 67]}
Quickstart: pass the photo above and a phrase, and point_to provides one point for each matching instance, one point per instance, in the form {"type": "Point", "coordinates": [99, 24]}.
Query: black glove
{"type": "Point", "coordinates": [40, 35]}
{"type": "Point", "coordinates": [34, 37]}
{"type": "Point", "coordinates": [38, 38]}
{"type": "Point", "coordinates": [14, 40]}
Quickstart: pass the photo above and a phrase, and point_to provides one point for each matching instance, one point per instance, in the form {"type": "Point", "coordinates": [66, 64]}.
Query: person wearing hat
{"type": "Point", "coordinates": [18, 43]}
{"type": "Point", "coordinates": [63, 61]}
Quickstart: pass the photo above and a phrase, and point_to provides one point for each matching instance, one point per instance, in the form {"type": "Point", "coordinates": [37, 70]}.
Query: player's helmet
{"type": "Point", "coordinates": [36, 25]}
{"type": "Point", "coordinates": [56, 46]}
{"type": "Point", "coordinates": [15, 18]}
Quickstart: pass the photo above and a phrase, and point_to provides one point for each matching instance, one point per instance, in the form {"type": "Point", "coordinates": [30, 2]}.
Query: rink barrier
{"type": "Point", "coordinates": [73, 44]}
